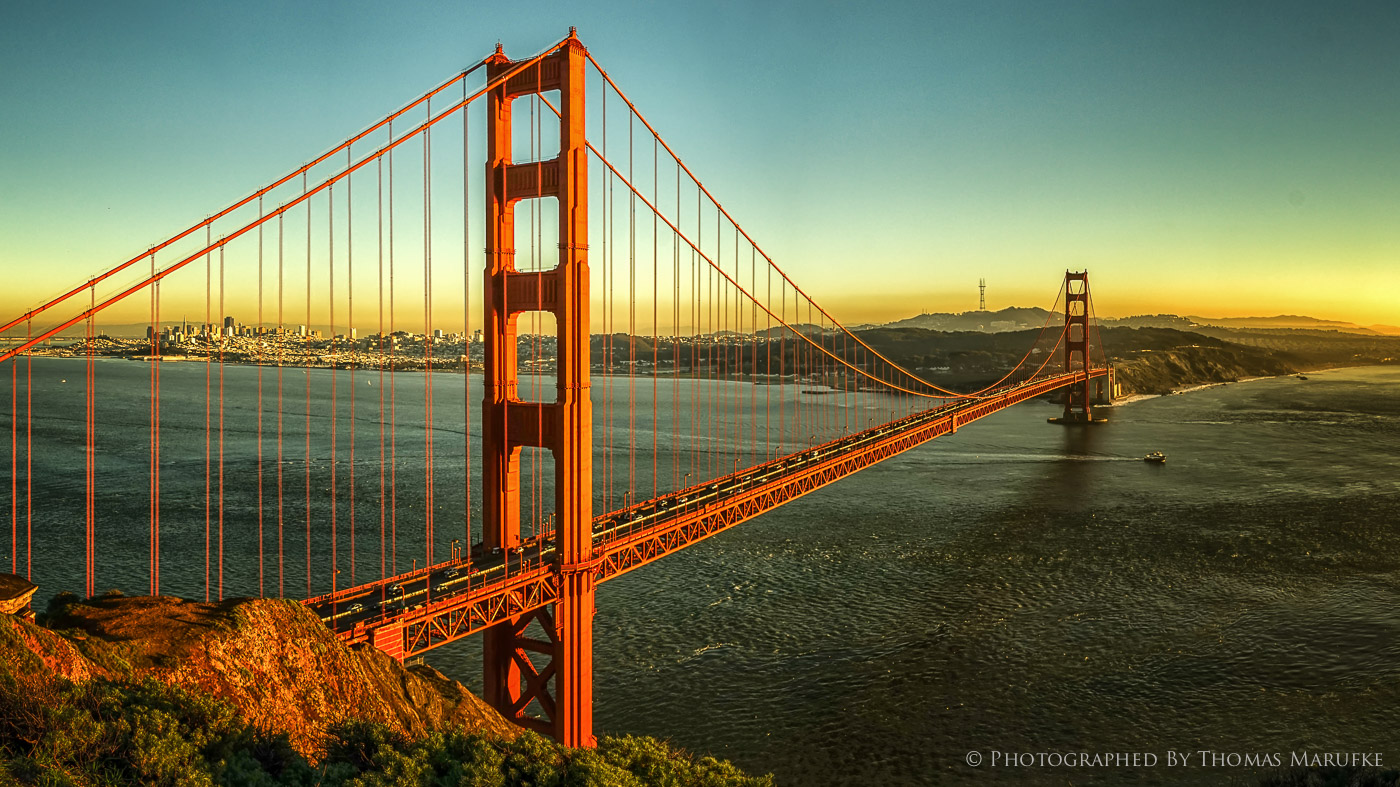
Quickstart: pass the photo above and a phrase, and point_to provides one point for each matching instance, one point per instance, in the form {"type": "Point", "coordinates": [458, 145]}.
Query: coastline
{"type": "Point", "coordinates": [1134, 398]}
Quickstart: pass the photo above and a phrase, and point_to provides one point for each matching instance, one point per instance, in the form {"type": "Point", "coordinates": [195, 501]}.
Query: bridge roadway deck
{"type": "Point", "coordinates": [416, 611]}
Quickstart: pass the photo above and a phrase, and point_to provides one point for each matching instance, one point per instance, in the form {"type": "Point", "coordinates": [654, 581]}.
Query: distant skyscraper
{"type": "Point", "coordinates": [981, 295]}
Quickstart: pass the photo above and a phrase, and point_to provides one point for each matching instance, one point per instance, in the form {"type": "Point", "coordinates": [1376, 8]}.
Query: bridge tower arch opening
{"type": "Point", "coordinates": [551, 675]}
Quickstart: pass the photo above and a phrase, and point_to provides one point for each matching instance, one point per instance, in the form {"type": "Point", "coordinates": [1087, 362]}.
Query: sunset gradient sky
{"type": "Point", "coordinates": [1206, 158]}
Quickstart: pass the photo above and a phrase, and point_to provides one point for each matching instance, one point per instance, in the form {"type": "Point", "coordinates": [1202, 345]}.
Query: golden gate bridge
{"type": "Point", "coordinates": [724, 389]}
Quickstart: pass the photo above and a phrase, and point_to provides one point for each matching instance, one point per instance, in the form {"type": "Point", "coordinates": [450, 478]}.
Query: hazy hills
{"type": "Point", "coordinates": [1020, 319]}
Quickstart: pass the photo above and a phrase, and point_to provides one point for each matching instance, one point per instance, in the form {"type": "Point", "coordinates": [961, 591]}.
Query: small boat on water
{"type": "Point", "coordinates": [1302, 377]}
{"type": "Point", "coordinates": [1156, 457]}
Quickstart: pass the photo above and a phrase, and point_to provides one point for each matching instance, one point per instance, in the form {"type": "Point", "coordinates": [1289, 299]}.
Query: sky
{"type": "Point", "coordinates": [1206, 158]}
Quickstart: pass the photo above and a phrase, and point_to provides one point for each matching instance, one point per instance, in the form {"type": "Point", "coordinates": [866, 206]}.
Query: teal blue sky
{"type": "Point", "coordinates": [1198, 157]}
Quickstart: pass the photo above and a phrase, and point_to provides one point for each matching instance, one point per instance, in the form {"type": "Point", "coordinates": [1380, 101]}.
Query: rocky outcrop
{"type": "Point", "coordinates": [270, 658]}
{"type": "Point", "coordinates": [15, 594]}
{"type": "Point", "coordinates": [1160, 372]}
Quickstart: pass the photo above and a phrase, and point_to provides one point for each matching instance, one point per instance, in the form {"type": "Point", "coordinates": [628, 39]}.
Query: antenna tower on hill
{"type": "Point", "coordinates": [982, 295]}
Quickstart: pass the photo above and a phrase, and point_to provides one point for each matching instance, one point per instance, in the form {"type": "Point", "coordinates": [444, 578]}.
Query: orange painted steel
{"type": "Point", "coordinates": [1077, 407]}
{"type": "Point", "coordinates": [493, 604]}
{"type": "Point", "coordinates": [512, 681]}
{"type": "Point", "coordinates": [690, 515]}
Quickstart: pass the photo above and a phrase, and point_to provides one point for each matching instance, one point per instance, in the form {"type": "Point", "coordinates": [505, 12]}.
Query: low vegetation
{"type": "Point", "coordinates": [102, 732]}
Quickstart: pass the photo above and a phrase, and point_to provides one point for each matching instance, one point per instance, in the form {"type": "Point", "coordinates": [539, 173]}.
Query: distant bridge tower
{"type": "Point", "coordinates": [981, 295]}
{"type": "Point", "coordinates": [516, 682]}
{"type": "Point", "coordinates": [1077, 395]}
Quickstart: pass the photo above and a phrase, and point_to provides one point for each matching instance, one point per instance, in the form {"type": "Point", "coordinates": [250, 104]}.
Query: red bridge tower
{"type": "Point", "coordinates": [514, 675]}
{"type": "Point", "coordinates": [1077, 395]}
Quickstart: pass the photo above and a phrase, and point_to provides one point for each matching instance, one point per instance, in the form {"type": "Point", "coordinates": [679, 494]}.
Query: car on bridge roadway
{"type": "Point", "coordinates": [354, 608]}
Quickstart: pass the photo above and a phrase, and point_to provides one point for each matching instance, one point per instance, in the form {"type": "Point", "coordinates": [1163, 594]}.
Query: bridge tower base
{"type": "Point", "coordinates": [1078, 395]}
{"type": "Point", "coordinates": [544, 683]}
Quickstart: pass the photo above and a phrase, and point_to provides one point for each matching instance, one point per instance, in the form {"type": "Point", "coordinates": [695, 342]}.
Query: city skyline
{"type": "Point", "coordinates": [1196, 159]}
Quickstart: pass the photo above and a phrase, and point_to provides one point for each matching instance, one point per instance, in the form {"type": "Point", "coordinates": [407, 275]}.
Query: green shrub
{"type": "Point", "coordinates": [56, 608]}
{"type": "Point", "coordinates": [102, 732]}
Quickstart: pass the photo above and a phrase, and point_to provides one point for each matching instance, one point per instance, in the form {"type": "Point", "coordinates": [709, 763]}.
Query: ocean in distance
{"type": "Point", "coordinates": [1015, 587]}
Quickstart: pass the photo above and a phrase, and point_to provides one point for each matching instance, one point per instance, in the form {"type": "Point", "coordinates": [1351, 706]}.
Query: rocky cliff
{"type": "Point", "coordinates": [269, 658]}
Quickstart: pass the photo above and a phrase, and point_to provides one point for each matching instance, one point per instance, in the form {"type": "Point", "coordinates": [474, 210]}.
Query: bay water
{"type": "Point", "coordinates": [1018, 588]}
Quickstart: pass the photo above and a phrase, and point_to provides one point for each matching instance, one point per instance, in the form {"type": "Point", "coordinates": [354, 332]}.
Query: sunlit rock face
{"type": "Point", "coordinates": [270, 658]}
{"type": "Point", "coordinates": [15, 594]}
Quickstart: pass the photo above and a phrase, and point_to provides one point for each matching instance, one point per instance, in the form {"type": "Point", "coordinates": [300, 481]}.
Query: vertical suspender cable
{"type": "Point", "coordinates": [466, 324]}
{"type": "Point", "coordinates": [14, 465]}
{"type": "Point", "coordinates": [223, 339]}
{"type": "Point", "coordinates": [28, 457]}
{"type": "Point", "coordinates": [675, 344]}
{"type": "Point", "coordinates": [154, 336]}
{"type": "Point", "coordinates": [330, 331]}
{"type": "Point", "coordinates": [743, 419]}
{"type": "Point", "coordinates": [208, 357]}
{"type": "Point", "coordinates": [393, 387]}
{"type": "Point", "coordinates": [306, 376]}
{"type": "Point", "coordinates": [90, 448]}
{"type": "Point", "coordinates": [707, 386]}
{"type": "Point", "coordinates": [655, 331]}
{"type": "Point", "coordinates": [352, 342]}
{"type": "Point", "coordinates": [631, 322]}
{"type": "Point", "coordinates": [155, 494]}
{"type": "Point", "coordinates": [282, 361]}
{"type": "Point", "coordinates": [605, 251]}
{"type": "Point", "coordinates": [428, 340]}
{"type": "Point", "coordinates": [537, 263]}
{"type": "Point", "coordinates": [697, 382]}
{"type": "Point", "coordinates": [379, 217]}
{"type": "Point", "coordinates": [258, 333]}
{"type": "Point", "coordinates": [537, 247]}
